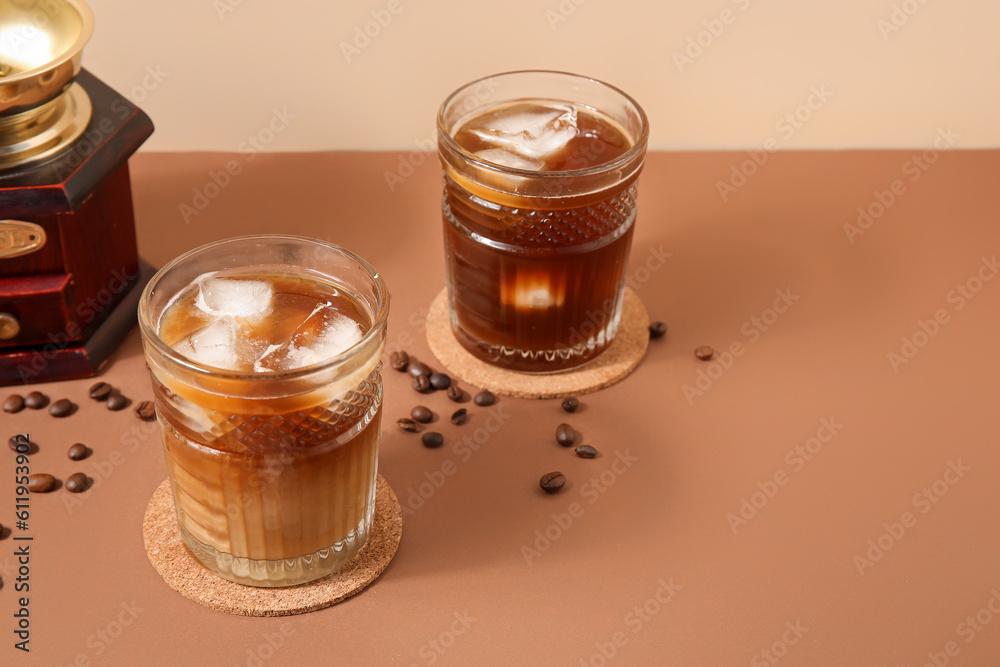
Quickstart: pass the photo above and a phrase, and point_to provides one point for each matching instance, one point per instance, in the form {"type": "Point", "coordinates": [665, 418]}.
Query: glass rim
{"type": "Point", "coordinates": [150, 335]}
{"type": "Point", "coordinates": [637, 147]}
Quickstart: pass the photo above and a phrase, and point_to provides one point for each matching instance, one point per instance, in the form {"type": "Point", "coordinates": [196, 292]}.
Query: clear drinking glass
{"type": "Point", "coordinates": [540, 174]}
{"type": "Point", "coordinates": [265, 356]}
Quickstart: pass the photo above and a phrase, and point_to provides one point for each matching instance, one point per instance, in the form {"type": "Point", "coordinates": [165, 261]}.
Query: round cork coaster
{"type": "Point", "coordinates": [621, 357]}
{"type": "Point", "coordinates": [188, 577]}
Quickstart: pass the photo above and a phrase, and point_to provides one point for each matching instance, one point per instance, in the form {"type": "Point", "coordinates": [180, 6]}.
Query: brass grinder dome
{"type": "Point", "coordinates": [42, 111]}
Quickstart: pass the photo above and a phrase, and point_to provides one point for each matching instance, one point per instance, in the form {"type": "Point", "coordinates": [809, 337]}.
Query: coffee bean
{"type": "Point", "coordinates": [41, 482]}
{"type": "Point", "coordinates": [485, 398]}
{"type": "Point", "coordinates": [455, 393]}
{"type": "Point", "coordinates": [36, 400]}
{"type": "Point", "coordinates": [398, 361]}
{"type": "Point", "coordinates": [116, 402]}
{"type": "Point", "coordinates": [18, 439]}
{"type": "Point", "coordinates": [586, 452]}
{"type": "Point", "coordinates": [440, 381]}
{"type": "Point", "coordinates": [61, 408]}
{"type": "Point", "coordinates": [459, 417]}
{"type": "Point", "coordinates": [408, 425]}
{"type": "Point", "coordinates": [422, 383]}
{"type": "Point", "coordinates": [419, 368]}
{"type": "Point", "coordinates": [704, 352]}
{"type": "Point", "coordinates": [570, 404]}
{"type": "Point", "coordinates": [14, 403]}
{"type": "Point", "coordinates": [552, 481]}
{"type": "Point", "coordinates": [657, 330]}
{"type": "Point", "coordinates": [565, 435]}
{"type": "Point", "coordinates": [422, 414]}
{"type": "Point", "coordinates": [432, 439]}
{"type": "Point", "coordinates": [100, 391]}
{"type": "Point", "coordinates": [78, 452]}
{"type": "Point", "coordinates": [145, 411]}
{"type": "Point", "coordinates": [77, 483]}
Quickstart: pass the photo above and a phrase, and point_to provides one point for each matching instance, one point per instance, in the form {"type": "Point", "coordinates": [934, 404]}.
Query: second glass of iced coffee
{"type": "Point", "coordinates": [539, 209]}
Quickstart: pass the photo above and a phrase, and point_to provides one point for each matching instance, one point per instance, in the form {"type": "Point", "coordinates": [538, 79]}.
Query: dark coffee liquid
{"type": "Point", "coordinates": [536, 282]}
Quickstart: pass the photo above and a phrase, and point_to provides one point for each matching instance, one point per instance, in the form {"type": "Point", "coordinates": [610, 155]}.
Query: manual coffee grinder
{"type": "Point", "coordinates": [70, 274]}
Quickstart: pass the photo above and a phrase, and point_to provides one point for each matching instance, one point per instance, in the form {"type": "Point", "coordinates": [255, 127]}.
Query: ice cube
{"type": "Point", "coordinates": [323, 335]}
{"type": "Point", "coordinates": [248, 299]}
{"type": "Point", "coordinates": [505, 158]}
{"type": "Point", "coordinates": [213, 345]}
{"type": "Point", "coordinates": [530, 135]}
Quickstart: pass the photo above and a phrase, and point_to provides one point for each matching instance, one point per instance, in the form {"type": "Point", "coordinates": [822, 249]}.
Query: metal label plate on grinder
{"type": "Point", "coordinates": [20, 238]}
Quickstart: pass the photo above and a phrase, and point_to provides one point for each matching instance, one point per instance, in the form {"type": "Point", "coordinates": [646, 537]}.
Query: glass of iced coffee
{"type": "Point", "coordinates": [265, 355]}
{"type": "Point", "coordinates": [540, 174]}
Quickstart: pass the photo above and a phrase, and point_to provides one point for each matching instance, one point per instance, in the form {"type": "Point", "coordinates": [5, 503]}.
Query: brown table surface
{"type": "Point", "coordinates": [867, 482]}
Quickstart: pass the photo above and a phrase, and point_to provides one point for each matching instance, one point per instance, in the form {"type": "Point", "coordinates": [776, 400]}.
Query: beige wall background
{"type": "Point", "coordinates": [711, 74]}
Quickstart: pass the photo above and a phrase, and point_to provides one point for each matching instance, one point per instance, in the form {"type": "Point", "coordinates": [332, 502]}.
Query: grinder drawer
{"type": "Point", "coordinates": [36, 309]}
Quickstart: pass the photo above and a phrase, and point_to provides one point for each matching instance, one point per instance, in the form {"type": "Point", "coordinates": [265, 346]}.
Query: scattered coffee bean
{"type": "Point", "coordinates": [552, 482]}
{"type": "Point", "coordinates": [657, 330]}
{"type": "Point", "coordinates": [77, 483]}
{"type": "Point", "coordinates": [485, 398]}
{"type": "Point", "coordinates": [704, 352]}
{"type": "Point", "coordinates": [14, 403]}
{"type": "Point", "coordinates": [570, 404]}
{"type": "Point", "coordinates": [419, 368]}
{"type": "Point", "coordinates": [78, 452]}
{"type": "Point", "coordinates": [586, 452]}
{"type": "Point", "coordinates": [455, 393]}
{"type": "Point", "coordinates": [36, 400]}
{"type": "Point", "coordinates": [459, 417]}
{"type": "Point", "coordinates": [440, 381]}
{"type": "Point", "coordinates": [116, 402]}
{"type": "Point", "coordinates": [15, 439]}
{"type": "Point", "coordinates": [565, 435]}
{"type": "Point", "coordinates": [100, 391]}
{"type": "Point", "coordinates": [408, 425]}
{"type": "Point", "coordinates": [432, 439]}
{"type": "Point", "coordinates": [422, 414]}
{"type": "Point", "coordinates": [422, 384]}
{"type": "Point", "coordinates": [41, 482]}
{"type": "Point", "coordinates": [61, 408]}
{"type": "Point", "coordinates": [398, 361]}
{"type": "Point", "coordinates": [145, 411]}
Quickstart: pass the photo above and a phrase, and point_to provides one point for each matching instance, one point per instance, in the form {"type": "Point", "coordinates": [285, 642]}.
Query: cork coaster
{"type": "Point", "coordinates": [621, 357]}
{"type": "Point", "coordinates": [188, 577]}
